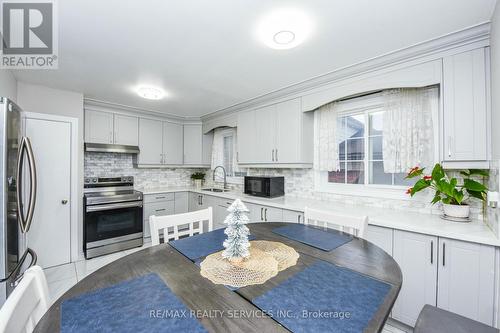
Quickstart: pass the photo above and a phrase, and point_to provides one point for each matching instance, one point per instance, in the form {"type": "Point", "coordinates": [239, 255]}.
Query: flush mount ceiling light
{"type": "Point", "coordinates": [284, 37]}
{"type": "Point", "coordinates": [284, 29]}
{"type": "Point", "coordinates": [149, 92]}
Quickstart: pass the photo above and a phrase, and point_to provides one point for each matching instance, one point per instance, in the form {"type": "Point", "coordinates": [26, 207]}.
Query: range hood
{"type": "Point", "coordinates": [111, 148]}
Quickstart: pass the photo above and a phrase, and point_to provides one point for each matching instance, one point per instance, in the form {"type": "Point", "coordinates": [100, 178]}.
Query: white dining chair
{"type": "Point", "coordinates": [26, 304]}
{"type": "Point", "coordinates": [354, 225]}
{"type": "Point", "coordinates": [186, 224]}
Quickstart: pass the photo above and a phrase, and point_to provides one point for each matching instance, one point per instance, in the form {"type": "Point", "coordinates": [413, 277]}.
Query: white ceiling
{"type": "Point", "coordinates": [204, 52]}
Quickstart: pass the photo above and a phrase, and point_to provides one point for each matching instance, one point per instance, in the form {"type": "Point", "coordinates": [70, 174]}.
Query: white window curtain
{"type": "Point", "coordinates": [408, 132]}
{"type": "Point", "coordinates": [218, 152]}
{"type": "Point", "coordinates": [218, 148]}
{"type": "Point", "coordinates": [326, 154]}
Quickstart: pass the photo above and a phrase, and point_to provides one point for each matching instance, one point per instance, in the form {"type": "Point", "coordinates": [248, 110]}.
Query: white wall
{"type": "Point", "coordinates": [41, 99]}
{"type": "Point", "coordinates": [8, 85]}
{"type": "Point", "coordinates": [495, 81]}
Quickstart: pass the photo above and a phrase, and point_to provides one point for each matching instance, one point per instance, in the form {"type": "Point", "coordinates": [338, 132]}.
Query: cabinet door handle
{"type": "Point", "coordinates": [276, 155]}
{"type": "Point", "coordinates": [115, 135]}
{"type": "Point", "coordinates": [432, 252]}
{"type": "Point", "coordinates": [444, 254]}
{"type": "Point", "coordinates": [110, 137]}
{"type": "Point", "coordinates": [261, 216]}
{"type": "Point", "coordinates": [237, 156]}
{"type": "Point", "coordinates": [265, 214]}
{"type": "Point", "coordinates": [201, 198]}
{"type": "Point", "coordinates": [160, 210]}
{"type": "Point", "coordinates": [160, 197]}
{"type": "Point", "coordinates": [272, 155]}
{"type": "Point", "coordinates": [449, 146]}
{"type": "Point", "coordinates": [298, 218]}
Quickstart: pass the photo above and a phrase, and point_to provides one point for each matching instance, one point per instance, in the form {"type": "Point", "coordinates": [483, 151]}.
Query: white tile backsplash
{"type": "Point", "coordinates": [115, 164]}
{"type": "Point", "coordinates": [298, 183]}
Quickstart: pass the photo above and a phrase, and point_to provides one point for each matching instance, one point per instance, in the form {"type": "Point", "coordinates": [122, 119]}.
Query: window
{"type": "Point", "coordinates": [223, 153]}
{"type": "Point", "coordinates": [359, 135]}
{"type": "Point", "coordinates": [361, 149]}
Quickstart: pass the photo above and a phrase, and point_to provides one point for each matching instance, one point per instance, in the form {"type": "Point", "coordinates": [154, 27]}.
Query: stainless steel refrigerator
{"type": "Point", "coordinates": [17, 198]}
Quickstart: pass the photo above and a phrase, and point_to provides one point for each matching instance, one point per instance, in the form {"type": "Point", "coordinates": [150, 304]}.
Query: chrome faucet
{"type": "Point", "coordinates": [224, 170]}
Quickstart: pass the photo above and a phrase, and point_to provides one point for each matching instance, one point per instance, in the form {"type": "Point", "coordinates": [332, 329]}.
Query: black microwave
{"type": "Point", "coordinates": [268, 187]}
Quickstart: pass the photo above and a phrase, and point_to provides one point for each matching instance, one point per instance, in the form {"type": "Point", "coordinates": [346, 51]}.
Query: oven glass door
{"type": "Point", "coordinates": [114, 220]}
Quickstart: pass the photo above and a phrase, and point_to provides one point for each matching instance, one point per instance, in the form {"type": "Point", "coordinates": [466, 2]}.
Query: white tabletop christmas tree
{"type": "Point", "coordinates": [236, 245]}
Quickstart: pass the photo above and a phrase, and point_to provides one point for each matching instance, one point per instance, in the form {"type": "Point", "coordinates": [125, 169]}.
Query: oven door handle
{"type": "Point", "coordinates": [98, 208]}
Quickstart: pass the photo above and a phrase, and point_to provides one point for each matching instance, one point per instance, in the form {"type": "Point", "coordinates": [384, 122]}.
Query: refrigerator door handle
{"type": "Point", "coordinates": [25, 221]}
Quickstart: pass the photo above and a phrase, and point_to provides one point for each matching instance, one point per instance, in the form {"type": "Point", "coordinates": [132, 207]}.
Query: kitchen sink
{"type": "Point", "coordinates": [216, 189]}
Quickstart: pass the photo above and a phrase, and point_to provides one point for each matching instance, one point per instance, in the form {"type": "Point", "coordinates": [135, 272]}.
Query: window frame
{"type": "Point", "coordinates": [366, 105]}
{"type": "Point", "coordinates": [238, 180]}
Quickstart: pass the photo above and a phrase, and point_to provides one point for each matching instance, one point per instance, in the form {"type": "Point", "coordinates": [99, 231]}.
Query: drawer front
{"type": "Point", "coordinates": [158, 209]}
{"type": "Point", "coordinates": [150, 198]}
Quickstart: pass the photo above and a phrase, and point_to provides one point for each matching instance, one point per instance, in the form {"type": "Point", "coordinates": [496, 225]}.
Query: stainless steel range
{"type": "Point", "coordinates": [113, 215]}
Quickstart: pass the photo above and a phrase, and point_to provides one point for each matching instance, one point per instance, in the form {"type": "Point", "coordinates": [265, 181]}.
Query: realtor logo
{"type": "Point", "coordinates": [29, 34]}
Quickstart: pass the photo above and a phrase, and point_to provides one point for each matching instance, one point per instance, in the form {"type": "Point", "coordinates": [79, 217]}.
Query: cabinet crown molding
{"type": "Point", "coordinates": [97, 105]}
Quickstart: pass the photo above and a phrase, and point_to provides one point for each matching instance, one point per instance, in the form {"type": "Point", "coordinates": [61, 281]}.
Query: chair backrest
{"type": "Point", "coordinates": [27, 303]}
{"type": "Point", "coordinates": [354, 225]}
{"type": "Point", "coordinates": [191, 224]}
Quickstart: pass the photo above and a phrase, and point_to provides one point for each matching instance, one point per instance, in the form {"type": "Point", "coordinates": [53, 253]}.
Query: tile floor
{"type": "Point", "coordinates": [61, 278]}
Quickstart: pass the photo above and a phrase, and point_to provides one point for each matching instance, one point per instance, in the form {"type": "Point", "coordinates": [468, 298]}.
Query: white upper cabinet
{"type": "Point", "coordinates": [246, 134]}
{"type": "Point", "coordinates": [278, 135]}
{"type": "Point", "coordinates": [126, 130]}
{"type": "Point", "coordinates": [111, 128]}
{"type": "Point", "coordinates": [98, 127]}
{"type": "Point", "coordinates": [172, 143]}
{"type": "Point", "coordinates": [466, 279]}
{"type": "Point", "coordinates": [287, 142]}
{"type": "Point", "coordinates": [265, 133]}
{"type": "Point", "coordinates": [197, 146]}
{"type": "Point", "coordinates": [150, 142]}
{"type": "Point", "coordinates": [193, 144]}
{"type": "Point", "coordinates": [416, 255]}
{"type": "Point", "coordinates": [465, 104]}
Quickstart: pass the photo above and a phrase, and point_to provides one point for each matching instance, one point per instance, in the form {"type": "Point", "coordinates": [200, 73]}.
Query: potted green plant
{"type": "Point", "coordinates": [198, 178]}
{"type": "Point", "coordinates": [453, 195]}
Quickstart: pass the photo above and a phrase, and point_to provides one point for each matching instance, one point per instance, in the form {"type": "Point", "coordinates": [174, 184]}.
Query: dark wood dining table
{"type": "Point", "coordinates": [199, 294]}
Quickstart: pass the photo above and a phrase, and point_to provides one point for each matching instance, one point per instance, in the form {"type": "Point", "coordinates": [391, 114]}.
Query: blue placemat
{"type": "Point", "coordinates": [202, 245]}
{"type": "Point", "coordinates": [138, 305]}
{"type": "Point", "coordinates": [324, 298]}
{"type": "Point", "coordinates": [321, 239]}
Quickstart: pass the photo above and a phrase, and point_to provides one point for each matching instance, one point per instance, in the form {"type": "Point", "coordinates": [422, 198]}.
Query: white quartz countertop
{"type": "Point", "coordinates": [475, 231]}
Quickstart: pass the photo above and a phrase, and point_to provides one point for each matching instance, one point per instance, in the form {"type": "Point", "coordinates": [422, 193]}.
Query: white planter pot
{"type": "Point", "coordinates": [462, 211]}
{"type": "Point", "coordinates": [198, 183]}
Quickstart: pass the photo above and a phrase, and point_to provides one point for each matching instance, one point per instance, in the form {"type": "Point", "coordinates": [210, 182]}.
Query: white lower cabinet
{"type": "Point", "coordinates": [417, 256]}
{"type": "Point", "coordinates": [453, 275]}
{"type": "Point", "coordinates": [181, 202]}
{"type": "Point", "coordinates": [260, 213]}
{"type": "Point", "coordinates": [198, 201]}
{"type": "Point", "coordinates": [380, 236]}
{"type": "Point", "coordinates": [158, 205]}
{"type": "Point", "coordinates": [292, 216]}
{"type": "Point", "coordinates": [220, 212]}
{"type": "Point", "coordinates": [466, 279]}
